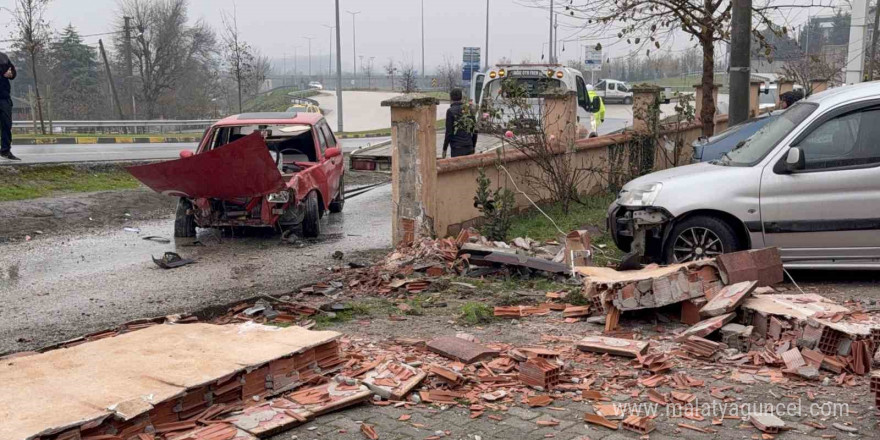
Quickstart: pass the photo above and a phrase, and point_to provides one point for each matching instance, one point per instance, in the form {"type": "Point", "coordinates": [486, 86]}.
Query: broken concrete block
{"type": "Point", "coordinates": [706, 327]}
{"type": "Point", "coordinates": [729, 299]}
{"type": "Point", "coordinates": [737, 336]}
{"type": "Point", "coordinates": [461, 350]}
{"type": "Point", "coordinates": [768, 423]}
{"type": "Point", "coordinates": [393, 380]}
{"type": "Point", "coordinates": [619, 347]}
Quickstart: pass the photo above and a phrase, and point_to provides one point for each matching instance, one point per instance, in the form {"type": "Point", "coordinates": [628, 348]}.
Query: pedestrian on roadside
{"type": "Point", "coordinates": [7, 73]}
{"type": "Point", "coordinates": [461, 134]}
{"type": "Point", "coordinates": [788, 99]}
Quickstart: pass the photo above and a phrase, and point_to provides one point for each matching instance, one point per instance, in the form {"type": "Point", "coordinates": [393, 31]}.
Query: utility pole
{"type": "Point", "coordinates": [423, 38]}
{"type": "Point", "coordinates": [871, 64]}
{"type": "Point", "coordinates": [486, 55]}
{"type": "Point", "coordinates": [129, 68]}
{"type": "Point", "coordinates": [295, 67]}
{"type": "Point", "coordinates": [310, 55]}
{"type": "Point", "coordinates": [354, 42]}
{"type": "Point", "coordinates": [855, 65]}
{"type": "Point", "coordinates": [330, 69]}
{"type": "Point", "coordinates": [338, 72]}
{"type": "Point", "coordinates": [110, 78]}
{"type": "Point", "coordinates": [740, 60]}
{"type": "Point", "coordinates": [550, 44]}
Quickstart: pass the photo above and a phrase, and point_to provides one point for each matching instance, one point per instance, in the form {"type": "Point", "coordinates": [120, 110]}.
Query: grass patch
{"type": "Point", "coordinates": [440, 124]}
{"type": "Point", "coordinates": [44, 181]}
{"type": "Point", "coordinates": [277, 100]}
{"type": "Point", "coordinates": [443, 96]}
{"type": "Point", "coordinates": [588, 215]}
{"type": "Point", "coordinates": [474, 313]}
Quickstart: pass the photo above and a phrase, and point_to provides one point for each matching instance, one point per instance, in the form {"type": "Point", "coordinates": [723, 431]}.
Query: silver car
{"type": "Point", "coordinates": [808, 183]}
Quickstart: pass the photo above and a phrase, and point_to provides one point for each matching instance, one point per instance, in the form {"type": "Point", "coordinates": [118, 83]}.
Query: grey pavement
{"type": "Point", "coordinates": [58, 287]}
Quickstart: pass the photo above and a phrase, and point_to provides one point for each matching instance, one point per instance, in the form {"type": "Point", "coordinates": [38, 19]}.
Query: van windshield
{"type": "Point", "coordinates": [532, 87]}
{"type": "Point", "coordinates": [752, 150]}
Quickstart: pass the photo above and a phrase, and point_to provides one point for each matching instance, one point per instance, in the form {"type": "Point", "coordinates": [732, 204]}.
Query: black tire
{"type": "Point", "coordinates": [627, 100]}
{"type": "Point", "coordinates": [338, 203]}
{"type": "Point", "coordinates": [184, 224]}
{"type": "Point", "coordinates": [311, 226]}
{"type": "Point", "coordinates": [709, 237]}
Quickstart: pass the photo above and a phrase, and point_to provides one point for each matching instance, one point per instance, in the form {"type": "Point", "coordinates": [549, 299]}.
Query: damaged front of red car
{"type": "Point", "coordinates": [238, 183]}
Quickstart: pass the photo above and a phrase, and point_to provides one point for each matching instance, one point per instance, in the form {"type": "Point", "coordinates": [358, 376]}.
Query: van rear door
{"type": "Point", "coordinates": [477, 87]}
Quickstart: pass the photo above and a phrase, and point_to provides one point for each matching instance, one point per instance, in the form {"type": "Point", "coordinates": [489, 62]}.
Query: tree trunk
{"type": "Point", "coordinates": [37, 93]}
{"type": "Point", "coordinates": [707, 114]}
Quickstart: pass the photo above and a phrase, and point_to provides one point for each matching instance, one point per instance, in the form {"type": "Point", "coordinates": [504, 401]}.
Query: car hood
{"type": "Point", "coordinates": [701, 186]}
{"type": "Point", "coordinates": [243, 168]}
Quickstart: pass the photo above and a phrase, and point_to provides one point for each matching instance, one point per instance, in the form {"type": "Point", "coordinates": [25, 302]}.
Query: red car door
{"type": "Point", "coordinates": [332, 166]}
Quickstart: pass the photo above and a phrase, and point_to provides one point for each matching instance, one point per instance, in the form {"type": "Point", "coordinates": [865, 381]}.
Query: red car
{"type": "Point", "coordinates": [277, 170]}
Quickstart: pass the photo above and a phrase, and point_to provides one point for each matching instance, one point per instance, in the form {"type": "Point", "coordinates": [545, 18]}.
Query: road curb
{"type": "Point", "coordinates": [363, 136]}
{"type": "Point", "coordinates": [105, 140]}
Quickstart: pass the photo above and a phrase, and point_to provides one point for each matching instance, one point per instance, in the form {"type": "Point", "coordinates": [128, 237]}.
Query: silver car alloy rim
{"type": "Point", "coordinates": [695, 244]}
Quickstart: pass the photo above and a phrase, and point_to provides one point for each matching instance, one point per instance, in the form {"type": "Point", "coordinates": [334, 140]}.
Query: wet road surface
{"type": "Point", "coordinates": [60, 287]}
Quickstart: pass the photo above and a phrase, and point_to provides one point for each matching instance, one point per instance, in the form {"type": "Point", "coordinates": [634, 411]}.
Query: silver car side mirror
{"type": "Point", "coordinates": [795, 160]}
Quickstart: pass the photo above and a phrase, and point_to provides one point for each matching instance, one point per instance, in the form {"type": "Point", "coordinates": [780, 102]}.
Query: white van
{"type": "Point", "coordinates": [536, 78]}
{"type": "Point", "coordinates": [612, 90]}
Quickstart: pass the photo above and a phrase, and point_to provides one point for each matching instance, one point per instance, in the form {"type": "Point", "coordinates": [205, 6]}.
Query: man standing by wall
{"type": "Point", "coordinates": [462, 140]}
{"type": "Point", "coordinates": [7, 73]}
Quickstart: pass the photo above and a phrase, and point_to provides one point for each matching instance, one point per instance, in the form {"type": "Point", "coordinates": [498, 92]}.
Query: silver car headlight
{"type": "Point", "coordinates": [641, 196]}
{"type": "Point", "coordinates": [279, 197]}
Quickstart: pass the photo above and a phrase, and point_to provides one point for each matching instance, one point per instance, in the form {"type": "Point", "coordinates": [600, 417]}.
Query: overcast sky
{"type": "Point", "coordinates": [385, 28]}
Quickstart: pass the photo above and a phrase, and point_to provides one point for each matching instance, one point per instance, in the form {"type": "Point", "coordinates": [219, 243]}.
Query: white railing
{"type": "Point", "coordinates": [121, 127]}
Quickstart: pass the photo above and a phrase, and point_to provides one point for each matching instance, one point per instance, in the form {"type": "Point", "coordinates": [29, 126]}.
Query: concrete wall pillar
{"type": "Point", "coordinates": [698, 99]}
{"type": "Point", "coordinates": [646, 107]}
{"type": "Point", "coordinates": [755, 98]}
{"type": "Point", "coordinates": [818, 85]}
{"type": "Point", "coordinates": [560, 117]}
{"type": "Point", "coordinates": [413, 167]}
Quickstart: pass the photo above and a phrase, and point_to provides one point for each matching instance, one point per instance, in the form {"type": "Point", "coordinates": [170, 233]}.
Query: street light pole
{"type": "Point", "coordinates": [338, 72]}
{"type": "Point", "coordinates": [550, 44]}
{"type": "Point", "coordinates": [354, 42]}
{"type": "Point", "coordinates": [486, 55]}
{"type": "Point", "coordinates": [423, 38]}
{"type": "Point", "coordinates": [310, 55]}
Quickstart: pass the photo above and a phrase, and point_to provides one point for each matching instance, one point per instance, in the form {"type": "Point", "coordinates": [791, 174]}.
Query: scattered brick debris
{"type": "Point", "coordinates": [728, 299]}
{"type": "Point", "coordinates": [596, 419]}
{"type": "Point", "coordinates": [616, 346]}
{"type": "Point", "coordinates": [539, 401]}
{"type": "Point", "coordinates": [706, 327]}
{"type": "Point", "coordinates": [539, 372]}
{"type": "Point", "coordinates": [641, 425]}
{"type": "Point", "coordinates": [461, 350]}
{"type": "Point", "coordinates": [369, 431]}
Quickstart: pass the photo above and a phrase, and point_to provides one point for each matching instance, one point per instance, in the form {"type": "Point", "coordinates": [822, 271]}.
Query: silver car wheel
{"type": "Point", "coordinates": [695, 244]}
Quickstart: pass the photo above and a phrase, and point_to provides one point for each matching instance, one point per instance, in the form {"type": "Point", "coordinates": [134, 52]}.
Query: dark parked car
{"type": "Point", "coordinates": [724, 142]}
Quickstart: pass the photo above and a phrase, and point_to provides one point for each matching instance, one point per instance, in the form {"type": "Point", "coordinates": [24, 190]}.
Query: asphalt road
{"type": "Point", "coordinates": [57, 287]}
{"type": "Point", "coordinates": [125, 152]}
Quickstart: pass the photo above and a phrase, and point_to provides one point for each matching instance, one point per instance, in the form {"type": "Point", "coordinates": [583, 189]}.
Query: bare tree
{"type": "Point", "coordinates": [450, 74]}
{"type": "Point", "coordinates": [812, 67]}
{"type": "Point", "coordinates": [163, 47]}
{"type": "Point", "coordinates": [367, 70]}
{"type": "Point", "coordinates": [408, 78]}
{"type": "Point", "coordinates": [647, 24]}
{"type": "Point", "coordinates": [391, 69]}
{"type": "Point", "coordinates": [241, 60]}
{"type": "Point", "coordinates": [31, 36]}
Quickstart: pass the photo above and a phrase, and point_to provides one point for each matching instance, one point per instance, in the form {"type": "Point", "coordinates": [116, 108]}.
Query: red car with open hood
{"type": "Point", "coordinates": [277, 170]}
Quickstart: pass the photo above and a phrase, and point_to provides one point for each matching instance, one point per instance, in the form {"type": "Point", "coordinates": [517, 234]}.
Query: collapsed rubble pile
{"type": "Point", "coordinates": [739, 328]}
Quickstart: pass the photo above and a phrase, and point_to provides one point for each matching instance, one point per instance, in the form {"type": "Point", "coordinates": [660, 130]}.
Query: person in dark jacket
{"type": "Point", "coordinates": [462, 141]}
{"type": "Point", "coordinates": [7, 73]}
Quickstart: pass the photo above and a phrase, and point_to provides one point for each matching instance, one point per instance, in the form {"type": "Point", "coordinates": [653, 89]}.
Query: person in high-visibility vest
{"type": "Point", "coordinates": [600, 115]}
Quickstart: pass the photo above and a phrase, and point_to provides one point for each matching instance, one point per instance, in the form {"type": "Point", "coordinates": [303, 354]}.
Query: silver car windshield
{"type": "Point", "coordinates": [752, 150]}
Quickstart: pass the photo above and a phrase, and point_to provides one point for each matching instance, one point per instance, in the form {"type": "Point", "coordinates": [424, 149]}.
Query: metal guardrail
{"type": "Point", "coordinates": [127, 127]}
